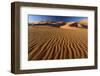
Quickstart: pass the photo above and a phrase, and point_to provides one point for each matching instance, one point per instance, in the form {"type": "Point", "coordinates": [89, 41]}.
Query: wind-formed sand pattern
{"type": "Point", "coordinates": [57, 37]}
{"type": "Point", "coordinates": [51, 43]}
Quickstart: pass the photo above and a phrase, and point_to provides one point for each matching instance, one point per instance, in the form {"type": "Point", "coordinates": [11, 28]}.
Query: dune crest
{"type": "Point", "coordinates": [84, 21]}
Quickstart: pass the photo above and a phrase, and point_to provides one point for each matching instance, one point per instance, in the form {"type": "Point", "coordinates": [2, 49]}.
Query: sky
{"type": "Point", "coordinates": [39, 18]}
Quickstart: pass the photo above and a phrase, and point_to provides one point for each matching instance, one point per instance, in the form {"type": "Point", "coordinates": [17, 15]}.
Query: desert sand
{"type": "Point", "coordinates": [51, 43]}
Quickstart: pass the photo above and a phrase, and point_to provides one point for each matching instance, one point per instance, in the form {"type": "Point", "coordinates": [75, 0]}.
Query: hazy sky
{"type": "Point", "coordinates": [35, 18]}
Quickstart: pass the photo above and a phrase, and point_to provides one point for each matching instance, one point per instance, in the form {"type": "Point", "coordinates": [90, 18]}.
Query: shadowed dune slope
{"type": "Point", "coordinates": [50, 43]}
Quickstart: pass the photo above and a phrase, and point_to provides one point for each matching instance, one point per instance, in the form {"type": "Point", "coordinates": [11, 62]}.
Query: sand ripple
{"type": "Point", "coordinates": [48, 43]}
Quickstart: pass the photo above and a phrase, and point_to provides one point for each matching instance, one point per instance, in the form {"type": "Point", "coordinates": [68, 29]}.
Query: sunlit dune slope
{"type": "Point", "coordinates": [84, 22]}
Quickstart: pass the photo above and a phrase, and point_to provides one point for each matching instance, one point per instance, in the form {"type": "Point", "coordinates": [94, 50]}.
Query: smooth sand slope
{"type": "Point", "coordinates": [49, 43]}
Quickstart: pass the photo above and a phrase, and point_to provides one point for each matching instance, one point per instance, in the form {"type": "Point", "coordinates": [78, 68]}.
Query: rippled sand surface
{"type": "Point", "coordinates": [52, 43]}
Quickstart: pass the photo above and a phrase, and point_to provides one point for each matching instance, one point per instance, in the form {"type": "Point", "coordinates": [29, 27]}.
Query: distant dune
{"type": "Point", "coordinates": [80, 24]}
{"type": "Point", "coordinates": [49, 23]}
{"type": "Point", "coordinates": [50, 43]}
{"type": "Point", "coordinates": [84, 22]}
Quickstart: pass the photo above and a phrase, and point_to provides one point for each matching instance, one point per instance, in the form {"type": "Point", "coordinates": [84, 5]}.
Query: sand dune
{"type": "Point", "coordinates": [49, 43]}
{"type": "Point", "coordinates": [84, 22]}
{"type": "Point", "coordinates": [49, 23]}
{"type": "Point", "coordinates": [79, 24]}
